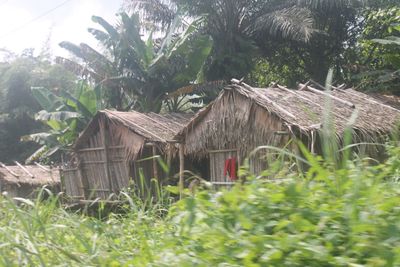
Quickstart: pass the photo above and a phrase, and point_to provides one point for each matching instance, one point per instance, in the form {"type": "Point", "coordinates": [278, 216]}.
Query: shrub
{"type": "Point", "coordinates": [330, 217]}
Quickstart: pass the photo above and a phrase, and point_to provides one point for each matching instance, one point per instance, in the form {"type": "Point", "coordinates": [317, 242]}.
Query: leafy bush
{"type": "Point", "coordinates": [330, 217]}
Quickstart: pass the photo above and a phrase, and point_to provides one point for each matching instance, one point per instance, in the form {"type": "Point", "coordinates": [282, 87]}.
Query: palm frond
{"type": "Point", "coordinates": [101, 36]}
{"type": "Point", "coordinates": [329, 5]}
{"type": "Point", "coordinates": [156, 12]}
{"type": "Point", "coordinates": [107, 26]}
{"type": "Point", "coordinates": [208, 88]}
{"type": "Point", "coordinates": [77, 69]}
{"type": "Point", "coordinates": [72, 48]}
{"type": "Point", "coordinates": [390, 40]}
{"type": "Point", "coordinates": [96, 60]}
{"type": "Point", "coordinates": [291, 23]}
{"type": "Point", "coordinates": [56, 115]}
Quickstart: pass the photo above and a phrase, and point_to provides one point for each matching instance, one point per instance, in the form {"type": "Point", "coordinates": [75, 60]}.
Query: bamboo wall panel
{"type": "Point", "coordinates": [93, 166]}
{"type": "Point", "coordinates": [73, 187]}
{"type": "Point", "coordinates": [118, 168]}
{"type": "Point", "coordinates": [145, 185]}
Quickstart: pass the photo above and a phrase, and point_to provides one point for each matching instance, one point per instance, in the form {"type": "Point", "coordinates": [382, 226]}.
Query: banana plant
{"type": "Point", "coordinates": [136, 73]}
{"type": "Point", "coordinates": [65, 115]}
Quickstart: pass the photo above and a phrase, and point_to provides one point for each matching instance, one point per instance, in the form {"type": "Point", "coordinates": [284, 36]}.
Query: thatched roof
{"type": "Point", "coordinates": [390, 100]}
{"type": "Point", "coordinates": [34, 175]}
{"type": "Point", "coordinates": [134, 129]}
{"type": "Point", "coordinates": [303, 109]}
{"type": "Point", "coordinates": [153, 127]}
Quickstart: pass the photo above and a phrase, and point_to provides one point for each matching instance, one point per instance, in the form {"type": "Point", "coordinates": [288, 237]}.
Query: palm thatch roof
{"type": "Point", "coordinates": [390, 100]}
{"type": "Point", "coordinates": [134, 129]}
{"type": "Point", "coordinates": [33, 175]}
{"type": "Point", "coordinates": [302, 110]}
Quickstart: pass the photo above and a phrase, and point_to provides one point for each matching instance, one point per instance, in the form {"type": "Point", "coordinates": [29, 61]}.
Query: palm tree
{"type": "Point", "coordinates": [311, 33]}
{"type": "Point", "coordinates": [135, 73]}
{"type": "Point", "coordinates": [235, 26]}
{"type": "Point", "coordinates": [336, 24]}
{"type": "Point", "coordinates": [336, 27]}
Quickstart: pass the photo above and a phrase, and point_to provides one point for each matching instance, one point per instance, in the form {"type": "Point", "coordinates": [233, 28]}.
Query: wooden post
{"type": "Point", "coordinates": [181, 169]}
{"type": "Point", "coordinates": [24, 169]}
{"type": "Point", "coordinates": [155, 170]}
{"type": "Point", "coordinates": [169, 157]}
{"type": "Point", "coordinates": [8, 169]}
{"type": "Point", "coordinates": [107, 160]}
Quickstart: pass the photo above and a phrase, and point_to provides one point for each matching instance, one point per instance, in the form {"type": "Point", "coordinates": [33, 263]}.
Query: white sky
{"type": "Point", "coordinates": [67, 23]}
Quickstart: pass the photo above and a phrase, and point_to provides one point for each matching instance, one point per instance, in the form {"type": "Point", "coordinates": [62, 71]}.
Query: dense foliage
{"type": "Point", "coordinates": [377, 63]}
{"type": "Point", "coordinates": [66, 114]}
{"type": "Point", "coordinates": [286, 41]}
{"type": "Point", "coordinates": [18, 73]}
{"type": "Point", "coordinates": [134, 73]}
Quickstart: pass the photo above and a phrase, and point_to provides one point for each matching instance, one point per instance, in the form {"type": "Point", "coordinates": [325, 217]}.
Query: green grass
{"type": "Point", "coordinates": [43, 233]}
{"type": "Point", "coordinates": [330, 216]}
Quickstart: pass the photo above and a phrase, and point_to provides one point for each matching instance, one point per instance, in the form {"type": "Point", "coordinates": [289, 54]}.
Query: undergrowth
{"type": "Point", "coordinates": [329, 216]}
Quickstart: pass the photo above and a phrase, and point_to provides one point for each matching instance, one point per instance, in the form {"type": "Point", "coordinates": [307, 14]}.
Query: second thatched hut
{"type": "Point", "coordinates": [243, 118]}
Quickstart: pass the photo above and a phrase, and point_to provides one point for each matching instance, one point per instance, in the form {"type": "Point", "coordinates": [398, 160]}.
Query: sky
{"type": "Point", "coordinates": [30, 23]}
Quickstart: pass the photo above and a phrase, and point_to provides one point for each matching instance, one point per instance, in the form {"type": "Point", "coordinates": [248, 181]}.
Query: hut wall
{"type": "Point", "coordinates": [238, 123]}
{"type": "Point", "coordinates": [72, 183]}
{"type": "Point", "coordinates": [103, 171]}
{"type": "Point", "coordinates": [118, 166]}
{"type": "Point", "coordinates": [92, 163]}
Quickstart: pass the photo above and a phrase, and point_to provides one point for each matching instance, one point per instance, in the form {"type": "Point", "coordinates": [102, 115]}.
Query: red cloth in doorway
{"type": "Point", "coordinates": [230, 168]}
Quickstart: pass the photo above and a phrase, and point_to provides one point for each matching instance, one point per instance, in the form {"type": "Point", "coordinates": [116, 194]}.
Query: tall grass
{"type": "Point", "coordinates": [328, 217]}
{"type": "Point", "coordinates": [42, 233]}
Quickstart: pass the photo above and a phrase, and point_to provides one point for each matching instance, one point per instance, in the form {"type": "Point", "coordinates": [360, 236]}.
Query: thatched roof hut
{"type": "Point", "coordinates": [113, 148]}
{"type": "Point", "coordinates": [243, 118]}
{"type": "Point", "coordinates": [23, 181]}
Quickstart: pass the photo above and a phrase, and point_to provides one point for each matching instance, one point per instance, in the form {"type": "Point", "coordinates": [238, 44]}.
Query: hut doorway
{"type": "Point", "coordinates": [223, 166]}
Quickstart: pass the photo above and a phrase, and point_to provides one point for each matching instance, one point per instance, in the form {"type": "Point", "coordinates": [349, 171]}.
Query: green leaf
{"type": "Point", "coordinates": [392, 40]}
{"type": "Point", "coordinates": [88, 100]}
{"type": "Point", "coordinates": [59, 116]}
{"type": "Point", "coordinates": [46, 99]}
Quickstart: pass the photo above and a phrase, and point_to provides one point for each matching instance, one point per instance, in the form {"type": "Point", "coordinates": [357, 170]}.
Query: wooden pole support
{"type": "Point", "coordinates": [24, 169]}
{"type": "Point", "coordinates": [8, 169]}
{"type": "Point", "coordinates": [181, 169]}
{"type": "Point", "coordinates": [329, 95]}
{"type": "Point", "coordinates": [105, 140]}
{"type": "Point", "coordinates": [42, 167]}
{"type": "Point", "coordinates": [155, 169]}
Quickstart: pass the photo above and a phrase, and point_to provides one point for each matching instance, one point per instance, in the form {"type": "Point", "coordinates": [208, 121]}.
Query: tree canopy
{"type": "Point", "coordinates": [175, 55]}
{"type": "Point", "coordinates": [18, 73]}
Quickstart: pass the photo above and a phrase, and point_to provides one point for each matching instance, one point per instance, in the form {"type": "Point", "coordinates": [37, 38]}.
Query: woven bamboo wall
{"type": "Point", "coordinates": [103, 172]}
{"type": "Point", "coordinates": [72, 183]}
